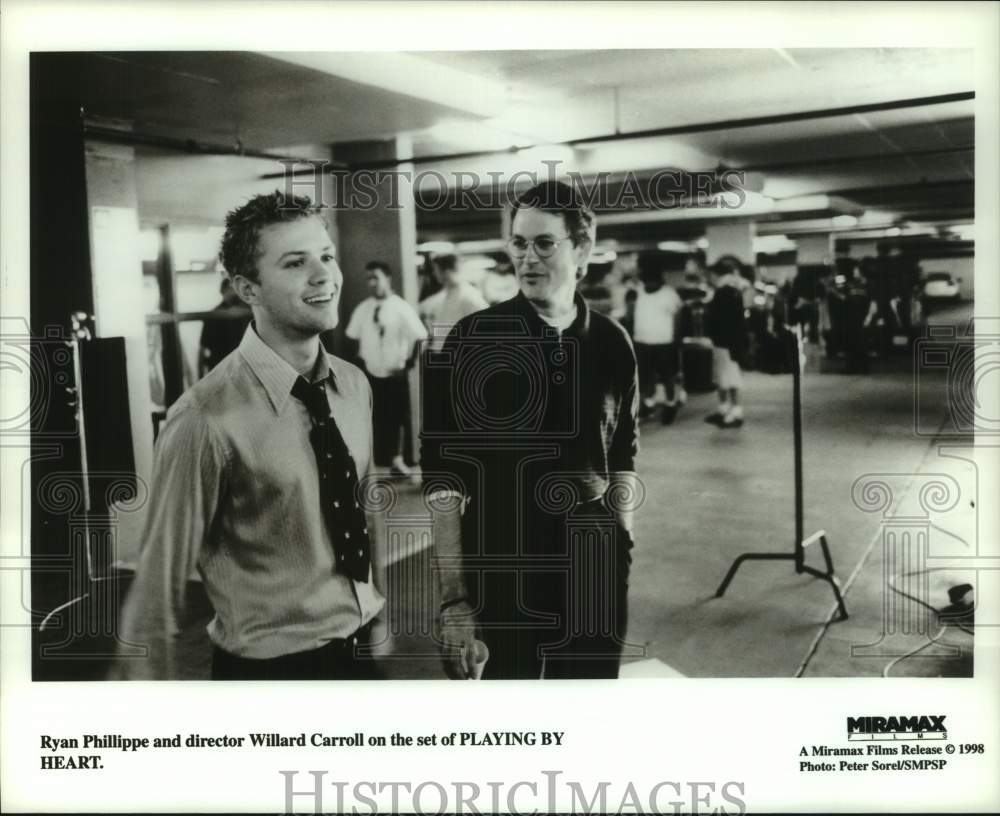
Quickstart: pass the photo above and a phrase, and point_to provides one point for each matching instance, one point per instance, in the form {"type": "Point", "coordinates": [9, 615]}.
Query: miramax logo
{"type": "Point", "coordinates": [924, 726]}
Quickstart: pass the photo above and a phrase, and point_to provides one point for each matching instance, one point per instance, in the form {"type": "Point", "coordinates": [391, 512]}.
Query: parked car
{"type": "Point", "coordinates": [941, 286]}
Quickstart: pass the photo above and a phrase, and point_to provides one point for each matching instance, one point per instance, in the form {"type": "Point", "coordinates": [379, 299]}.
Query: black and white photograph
{"type": "Point", "coordinates": [651, 352]}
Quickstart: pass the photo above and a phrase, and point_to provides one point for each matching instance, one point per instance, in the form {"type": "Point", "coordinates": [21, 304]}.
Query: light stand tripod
{"type": "Point", "coordinates": [798, 553]}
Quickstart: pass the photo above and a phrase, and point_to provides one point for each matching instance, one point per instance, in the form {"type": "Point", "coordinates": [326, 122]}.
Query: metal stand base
{"type": "Point", "coordinates": [800, 567]}
{"type": "Point", "coordinates": [798, 554]}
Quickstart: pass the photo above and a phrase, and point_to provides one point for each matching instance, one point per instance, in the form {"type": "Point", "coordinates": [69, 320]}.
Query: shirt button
{"type": "Point", "coordinates": [347, 474]}
{"type": "Point", "coordinates": [329, 456]}
{"type": "Point", "coordinates": [365, 531]}
{"type": "Point", "coordinates": [336, 504]}
{"type": "Point", "coordinates": [347, 535]}
{"type": "Point", "coordinates": [360, 553]}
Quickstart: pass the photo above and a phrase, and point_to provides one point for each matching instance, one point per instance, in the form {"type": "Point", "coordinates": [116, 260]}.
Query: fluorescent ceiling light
{"type": "Point", "coordinates": [802, 203]}
{"type": "Point", "coordinates": [478, 263]}
{"type": "Point", "coordinates": [674, 246]}
{"type": "Point", "coordinates": [773, 243]}
{"type": "Point", "coordinates": [844, 221]}
{"type": "Point", "coordinates": [436, 246]}
{"type": "Point", "coordinates": [491, 245]}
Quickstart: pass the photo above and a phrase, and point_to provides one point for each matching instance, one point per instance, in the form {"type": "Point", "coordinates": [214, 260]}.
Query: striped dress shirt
{"type": "Point", "coordinates": [236, 495]}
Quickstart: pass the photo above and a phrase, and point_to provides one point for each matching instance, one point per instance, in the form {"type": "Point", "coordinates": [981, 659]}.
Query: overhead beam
{"type": "Point", "coordinates": [698, 127]}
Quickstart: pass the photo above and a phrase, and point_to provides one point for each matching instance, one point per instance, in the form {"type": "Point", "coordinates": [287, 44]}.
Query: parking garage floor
{"type": "Point", "coordinates": [712, 494]}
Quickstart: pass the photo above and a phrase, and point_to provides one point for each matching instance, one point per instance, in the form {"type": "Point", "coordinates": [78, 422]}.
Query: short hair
{"type": "Point", "coordinates": [446, 262]}
{"type": "Point", "coordinates": [731, 265]}
{"type": "Point", "coordinates": [561, 199]}
{"type": "Point", "coordinates": [381, 266]}
{"type": "Point", "coordinates": [651, 265]}
{"type": "Point", "coordinates": [240, 242]}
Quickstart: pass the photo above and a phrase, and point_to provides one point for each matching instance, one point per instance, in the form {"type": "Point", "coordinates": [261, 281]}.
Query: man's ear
{"type": "Point", "coordinates": [582, 251]}
{"type": "Point", "coordinates": [246, 289]}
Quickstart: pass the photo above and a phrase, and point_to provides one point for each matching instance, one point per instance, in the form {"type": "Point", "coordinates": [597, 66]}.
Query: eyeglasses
{"type": "Point", "coordinates": [544, 246]}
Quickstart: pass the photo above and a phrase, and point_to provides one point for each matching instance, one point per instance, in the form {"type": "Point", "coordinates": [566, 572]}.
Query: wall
{"type": "Point", "coordinates": [117, 287]}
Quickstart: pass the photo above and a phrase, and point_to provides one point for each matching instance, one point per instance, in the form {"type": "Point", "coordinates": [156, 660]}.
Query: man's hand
{"type": "Point", "coordinates": [456, 631]}
{"type": "Point", "coordinates": [379, 640]}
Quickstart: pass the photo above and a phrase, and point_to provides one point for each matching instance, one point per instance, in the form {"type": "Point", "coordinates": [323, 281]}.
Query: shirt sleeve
{"type": "Point", "coordinates": [675, 302]}
{"type": "Point", "coordinates": [476, 301]}
{"type": "Point", "coordinates": [414, 326]}
{"type": "Point", "coordinates": [188, 479]}
{"type": "Point", "coordinates": [625, 443]}
{"type": "Point", "coordinates": [353, 329]}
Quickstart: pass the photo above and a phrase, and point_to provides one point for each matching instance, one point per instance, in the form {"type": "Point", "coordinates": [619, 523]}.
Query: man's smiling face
{"type": "Point", "coordinates": [299, 282]}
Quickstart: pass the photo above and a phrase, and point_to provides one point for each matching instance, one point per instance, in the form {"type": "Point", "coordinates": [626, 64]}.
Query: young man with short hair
{"type": "Point", "coordinates": [388, 331]}
{"type": "Point", "coordinates": [256, 476]}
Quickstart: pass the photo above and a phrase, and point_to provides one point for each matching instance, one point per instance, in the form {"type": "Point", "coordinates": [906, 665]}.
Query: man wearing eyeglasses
{"type": "Point", "coordinates": [387, 330]}
{"type": "Point", "coordinates": [529, 444]}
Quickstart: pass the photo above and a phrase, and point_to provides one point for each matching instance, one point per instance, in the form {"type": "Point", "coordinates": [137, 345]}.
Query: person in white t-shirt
{"type": "Point", "coordinates": [388, 331]}
{"type": "Point", "coordinates": [457, 299]}
{"type": "Point", "coordinates": [656, 308]}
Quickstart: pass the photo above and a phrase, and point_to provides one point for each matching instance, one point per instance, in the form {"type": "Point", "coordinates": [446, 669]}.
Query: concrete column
{"type": "Point", "coordinates": [731, 238]}
{"type": "Point", "coordinates": [814, 249]}
{"type": "Point", "coordinates": [377, 221]}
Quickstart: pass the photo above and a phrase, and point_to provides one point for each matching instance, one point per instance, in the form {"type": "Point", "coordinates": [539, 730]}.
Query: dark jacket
{"type": "Point", "coordinates": [525, 422]}
{"type": "Point", "coordinates": [725, 320]}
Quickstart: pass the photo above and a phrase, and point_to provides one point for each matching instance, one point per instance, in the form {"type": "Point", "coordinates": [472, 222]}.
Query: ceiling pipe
{"type": "Point", "coordinates": [130, 137]}
{"type": "Point", "coordinates": [701, 127]}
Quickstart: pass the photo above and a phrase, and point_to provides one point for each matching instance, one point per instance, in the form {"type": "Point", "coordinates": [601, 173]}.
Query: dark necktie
{"type": "Point", "coordinates": [338, 480]}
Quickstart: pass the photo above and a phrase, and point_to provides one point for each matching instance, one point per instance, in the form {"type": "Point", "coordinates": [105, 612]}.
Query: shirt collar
{"type": "Point", "coordinates": [580, 326]}
{"type": "Point", "coordinates": [274, 373]}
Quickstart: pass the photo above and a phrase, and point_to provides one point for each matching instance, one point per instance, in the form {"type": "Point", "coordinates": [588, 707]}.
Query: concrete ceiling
{"type": "Point", "coordinates": [913, 162]}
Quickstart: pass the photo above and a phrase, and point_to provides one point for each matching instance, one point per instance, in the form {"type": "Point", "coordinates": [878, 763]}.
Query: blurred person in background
{"type": "Point", "coordinates": [657, 306]}
{"type": "Point", "coordinates": [388, 332]}
{"type": "Point", "coordinates": [499, 283]}
{"type": "Point", "coordinates": [725, 325]}
{"type": "Point", "coordinates": [221, 336]}
{"type": "Point", "coordinates": [456, 299]}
